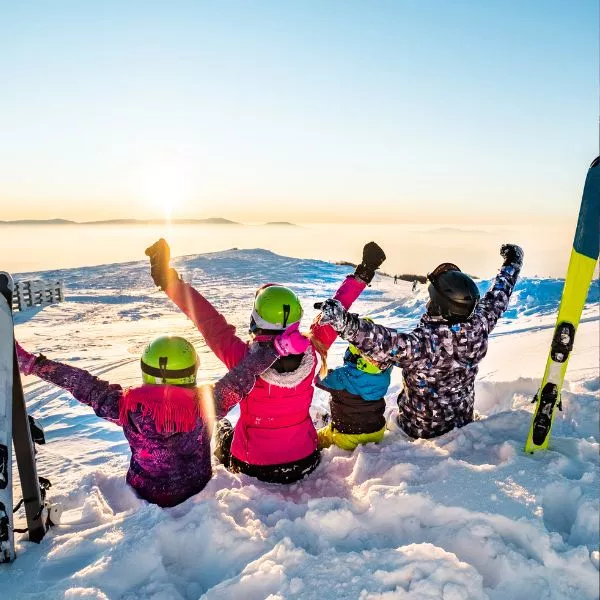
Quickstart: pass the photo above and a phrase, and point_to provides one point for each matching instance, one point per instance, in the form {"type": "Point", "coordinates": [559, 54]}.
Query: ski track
{"type": "Point", "coordinates": [466, 515]}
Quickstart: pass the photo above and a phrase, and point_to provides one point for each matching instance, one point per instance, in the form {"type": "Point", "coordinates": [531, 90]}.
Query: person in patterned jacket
{"type": "Point", "coordinates": [168, 421]}
{"type": "Point", "coordinates": [440, 357]}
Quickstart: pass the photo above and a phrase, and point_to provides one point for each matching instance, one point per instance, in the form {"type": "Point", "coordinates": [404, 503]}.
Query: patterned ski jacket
{"type": "Point", "coordinates": [439, 361]}
{"type": "Point", "coordinates": [168, 427]}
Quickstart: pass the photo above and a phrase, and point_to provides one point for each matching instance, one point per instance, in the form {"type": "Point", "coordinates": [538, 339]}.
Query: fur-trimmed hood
{"type": "Point", "coordinates": [293, 378]}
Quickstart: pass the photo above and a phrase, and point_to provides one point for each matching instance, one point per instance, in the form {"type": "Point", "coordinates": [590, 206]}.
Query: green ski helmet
{"type": "Point", "coordinates": [171, 360]}
{"type": "Point", "coordinates": [361, 362]}
{"type": "Point", "coordinates": [353, 355]}
{"type": "Point", "coordinates": [275, 307]}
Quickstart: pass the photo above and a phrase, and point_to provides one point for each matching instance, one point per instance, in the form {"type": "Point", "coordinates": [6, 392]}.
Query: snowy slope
{"type": "Point", "coordinates": [467, 515]}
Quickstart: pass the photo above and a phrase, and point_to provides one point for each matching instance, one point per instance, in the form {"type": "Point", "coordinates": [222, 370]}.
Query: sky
{"type": "Point", "coordinates": [315, 111]}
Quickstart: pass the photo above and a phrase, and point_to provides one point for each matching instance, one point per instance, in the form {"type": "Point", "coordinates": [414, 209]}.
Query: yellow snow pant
{"type": "Point", "coordinates": [346, 441]}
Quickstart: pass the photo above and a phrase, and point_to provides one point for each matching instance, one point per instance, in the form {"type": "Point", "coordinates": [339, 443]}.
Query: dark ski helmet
{"type": "Point", "coordinates": [452, 292]}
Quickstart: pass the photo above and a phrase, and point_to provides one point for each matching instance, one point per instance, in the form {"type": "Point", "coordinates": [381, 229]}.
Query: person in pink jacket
{"type": "Point", "coordinates": [274, 439]}
{"type": "Point", "coordinates": [168, 421]}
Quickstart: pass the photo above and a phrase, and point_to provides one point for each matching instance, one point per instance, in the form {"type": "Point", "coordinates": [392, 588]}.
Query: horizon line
{"type": "Point", "coordinates": [226, 221]}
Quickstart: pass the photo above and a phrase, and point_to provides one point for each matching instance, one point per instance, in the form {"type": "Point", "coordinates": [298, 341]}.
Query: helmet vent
{"type": "Point", "coordinates": [162, 365]}
{"type": "Point", "coordinates": [286, 314]}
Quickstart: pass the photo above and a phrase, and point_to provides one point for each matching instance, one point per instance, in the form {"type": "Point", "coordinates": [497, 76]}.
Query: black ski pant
{"type": "Point", "coordinates": [281, 473]}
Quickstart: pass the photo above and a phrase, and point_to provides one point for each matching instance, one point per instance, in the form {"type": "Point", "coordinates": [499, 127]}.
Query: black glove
{"type": "Point", "coordinates": [372, 258]}
{"type": "Point", "coordinates": [160, 255]}
{"type": "Point", "coordinates": [512, 254]}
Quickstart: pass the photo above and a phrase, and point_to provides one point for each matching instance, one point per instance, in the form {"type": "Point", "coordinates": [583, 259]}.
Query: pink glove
{"type": "Point", "coordinates": [26, 360]}
{"type": "Point", "coordinates": [291, 341]}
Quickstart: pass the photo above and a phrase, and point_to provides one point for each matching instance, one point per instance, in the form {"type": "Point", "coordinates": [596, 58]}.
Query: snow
{"type": "Point", "coordinates": [466, 515]}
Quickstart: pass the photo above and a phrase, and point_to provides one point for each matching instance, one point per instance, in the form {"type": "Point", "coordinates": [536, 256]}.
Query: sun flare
{"type": "Point", "coordinates": [165, 191]}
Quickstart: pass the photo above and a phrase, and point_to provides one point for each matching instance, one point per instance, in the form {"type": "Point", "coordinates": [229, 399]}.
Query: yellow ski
{"type": "Point", "coordinates": [577, 282]}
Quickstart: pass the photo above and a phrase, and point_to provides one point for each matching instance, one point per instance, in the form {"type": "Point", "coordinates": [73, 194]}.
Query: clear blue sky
{"type": "Point", "coordinates": [400, 110]}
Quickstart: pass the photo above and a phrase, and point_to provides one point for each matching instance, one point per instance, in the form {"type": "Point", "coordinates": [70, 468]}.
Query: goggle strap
{"type": "Point", "coordinates": [257, 322]}
{"type": "Point", "coordinates": [165, 373]}
{"type": "Point", "coordinates": [443, 268]}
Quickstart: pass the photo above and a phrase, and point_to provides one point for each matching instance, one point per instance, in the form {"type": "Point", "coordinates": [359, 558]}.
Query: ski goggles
{"type": "Point", "coordinates": [439, 270]}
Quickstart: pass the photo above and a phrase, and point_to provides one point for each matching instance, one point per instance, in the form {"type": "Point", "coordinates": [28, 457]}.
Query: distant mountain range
{"type": "Point", "coordinates": [459, 230]}
{"type": "Point", "coordinates": [211, 221]}
{"type": "Point", "coordinates": [39, 222]}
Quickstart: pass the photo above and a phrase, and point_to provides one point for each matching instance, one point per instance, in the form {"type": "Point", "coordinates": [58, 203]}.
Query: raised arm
{"type": "Point", "coordinates": [102, 396]}
{"type": "Point", "coordinates": [240, 380]}
{"type": "Point", "coordinates": [495, 301]}
{"type": "Point", "coordinates": [383, 345]}
{"type": "Point", "coordinates": [347, 293]}
{"type": "Point", "coordinates": [350, 290]}
{"type": "Point", "coordinates": [219, 335]}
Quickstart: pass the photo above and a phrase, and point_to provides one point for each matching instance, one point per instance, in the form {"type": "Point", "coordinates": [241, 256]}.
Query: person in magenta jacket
{"type": "Point", "coordinates": [168, 421]}
{"type": "Point", "coordinates": [274, 438]}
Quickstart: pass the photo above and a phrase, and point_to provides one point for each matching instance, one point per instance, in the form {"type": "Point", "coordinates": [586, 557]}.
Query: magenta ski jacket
{"type": "Point", "coordinates": [274, 427]}
{"type": "Point", "coordinates": [168, 427]}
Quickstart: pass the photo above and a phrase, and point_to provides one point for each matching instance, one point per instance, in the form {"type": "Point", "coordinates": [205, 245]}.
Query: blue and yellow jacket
{"type": "Point", "coordinates": [357, 398]}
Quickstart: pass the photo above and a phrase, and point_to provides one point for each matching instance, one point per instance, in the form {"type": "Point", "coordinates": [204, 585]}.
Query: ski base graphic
{"type": "Point", "coordinates": [7, 551]}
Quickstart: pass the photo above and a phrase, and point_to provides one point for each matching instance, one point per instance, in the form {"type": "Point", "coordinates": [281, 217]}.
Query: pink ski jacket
{"type": "Point", "coordinates": [274, 427]}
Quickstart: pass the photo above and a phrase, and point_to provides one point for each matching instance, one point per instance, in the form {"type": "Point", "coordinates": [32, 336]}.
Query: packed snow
{"type": "Point", "coordinates": [466, 515]}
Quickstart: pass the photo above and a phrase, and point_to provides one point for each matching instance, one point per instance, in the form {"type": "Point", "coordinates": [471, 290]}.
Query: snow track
{"type": "Point", "coordinates": [466, 515]}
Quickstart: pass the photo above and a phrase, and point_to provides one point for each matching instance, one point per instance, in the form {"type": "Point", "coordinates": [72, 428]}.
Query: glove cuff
{"type": "Point", "coordinates": [365, 273]}
{"type": "Point", "coordinates": [512, 261]}
{"type": "Point", "coordinates": [171, 276]}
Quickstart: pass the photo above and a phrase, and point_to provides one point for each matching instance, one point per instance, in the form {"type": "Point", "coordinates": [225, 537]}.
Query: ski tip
{"type": "Point", "coordinates": [6, 281]}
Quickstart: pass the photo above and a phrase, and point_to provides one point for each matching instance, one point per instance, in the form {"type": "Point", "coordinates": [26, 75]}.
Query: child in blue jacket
{"type": "Point", "coordinates": [357, 403]}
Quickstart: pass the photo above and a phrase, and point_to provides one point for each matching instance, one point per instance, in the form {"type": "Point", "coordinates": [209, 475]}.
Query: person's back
{"type": "Point", "coordinates": [440, 357]}
{"type": "Point", "coordinates": [274, 438]}
{"type": "Point", "coordinates": [170, 456]}
{"type": "Point", "coordinates": [357, 405]}
{"type": "Point", "coordinates": [439, 384]}
{"type": "Point", "coordinates": [274, 427]}
{"type": "Point", "coordinates": [167, 421]}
